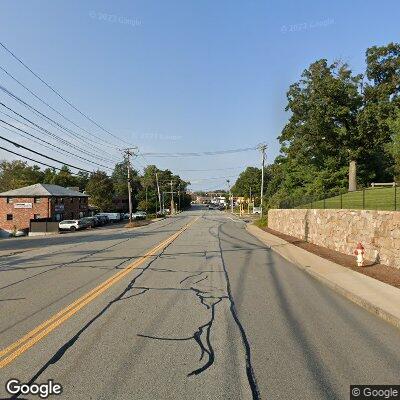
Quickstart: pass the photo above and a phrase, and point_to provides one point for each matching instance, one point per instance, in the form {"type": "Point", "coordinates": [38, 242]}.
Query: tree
{"type": "Point", "coordinates": [65, 178]}
{"type": "Point", "coordinates": [81, 180]}
{"type": "Point", "coordinates": [149, 186]}
{"type": "Point", "coordinates": [120, 182]}
{"type": "Point", "coordinates": [49, 175]}
{"type": "Point", "coordinates": [148, 189]}
{"type": "Point", "coordinates": [394, 146]}
{"type": "Point", "coordinates": [248, 181]}
{"type": "Point", "coordinates": [16, 174]}
{"type": "Point", "coordinates": [120, 179]}
{"type": "Point", "coordinates": [321, 136]}
{"type": "Point", "coordinates": [381, 100]}
{"type": "Point", "coordinates": [100, 188]}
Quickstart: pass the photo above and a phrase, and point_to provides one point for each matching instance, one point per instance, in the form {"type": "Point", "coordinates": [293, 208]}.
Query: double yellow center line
{"type": "Point", "coordinates": [17, 348]}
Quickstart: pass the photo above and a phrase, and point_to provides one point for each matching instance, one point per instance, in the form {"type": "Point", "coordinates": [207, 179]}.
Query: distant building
{"type": "Point", "coordinates": [53, 202]}
{"type": "Point", "coordinates": [203, 199]}
{"type": "Point", "coordinates": [120, 204]}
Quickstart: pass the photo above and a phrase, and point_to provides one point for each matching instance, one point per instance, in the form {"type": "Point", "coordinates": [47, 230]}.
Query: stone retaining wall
{"type": "Point", "coordinates": [341, 230]}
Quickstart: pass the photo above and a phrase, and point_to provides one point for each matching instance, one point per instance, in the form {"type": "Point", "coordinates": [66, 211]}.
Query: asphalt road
{"type": "Point", "coordinates": [210, 314]}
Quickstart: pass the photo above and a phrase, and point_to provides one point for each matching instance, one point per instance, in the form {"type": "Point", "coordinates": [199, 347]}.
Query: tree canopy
{"type": "Point", "coordinates": [336, 117]}
{"type": "Point", "coordinates": [249, 181]}
{"type": "Point", "coordinates": [103, 190]}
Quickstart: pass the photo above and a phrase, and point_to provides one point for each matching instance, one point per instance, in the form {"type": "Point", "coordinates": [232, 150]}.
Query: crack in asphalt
{"type": "Point", "coordinates": [63, 349]}
{"type": "Point", "coordinates": [202, 335]}
{"type": "Point", "coordinates": [209, 298]}
{"type": "Point", "coordinates": [136, 294]}
{"type": "Point", "coordinates": [191, 276]}
{"type": "Point", "coordinates": [249, 367]}
{"type": "Point", "coordinates": [202, 279]}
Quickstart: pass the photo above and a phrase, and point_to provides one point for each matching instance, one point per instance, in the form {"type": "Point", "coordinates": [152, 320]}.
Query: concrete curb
{"type": "Point", "coordinates": [377, 297]}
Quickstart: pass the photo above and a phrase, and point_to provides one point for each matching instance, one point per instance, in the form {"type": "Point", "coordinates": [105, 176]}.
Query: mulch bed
{"type": "Point", "coordinates": [383, 273]}
{"type": "Point", "coordinates": [135, 224]}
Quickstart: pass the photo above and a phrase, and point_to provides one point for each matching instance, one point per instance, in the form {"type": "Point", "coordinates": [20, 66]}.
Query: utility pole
{"type": "Point", "coordinates": [159, 195]}
{"type": "Point", "coordinates": [179, 197]}
{"type": "Point", "coordinates": [230, 194]}
{"type": "Point", "coordinates": [262, 147]}
{"type": "Point", "coordinates": [172, 201]}
{"type": "Point", "coordinates": [129, 152]}
{"type": "Point", "coordinates": [248, 204]}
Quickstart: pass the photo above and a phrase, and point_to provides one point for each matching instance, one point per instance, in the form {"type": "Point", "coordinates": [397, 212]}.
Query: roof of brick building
{"type": "Point", "coordinates": [43, 190]}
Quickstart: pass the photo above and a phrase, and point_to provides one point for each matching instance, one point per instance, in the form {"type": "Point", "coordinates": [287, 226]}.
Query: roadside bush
{"type": "Point", "coordinates": [261, 222]}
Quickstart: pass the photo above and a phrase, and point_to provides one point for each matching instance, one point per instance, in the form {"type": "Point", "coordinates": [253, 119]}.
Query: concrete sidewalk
{"type": "Point", "coordinates": [371, 294]}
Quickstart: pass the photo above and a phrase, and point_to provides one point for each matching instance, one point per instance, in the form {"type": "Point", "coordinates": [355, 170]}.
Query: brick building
{"type": "Point", "coordinates": [19, 206]}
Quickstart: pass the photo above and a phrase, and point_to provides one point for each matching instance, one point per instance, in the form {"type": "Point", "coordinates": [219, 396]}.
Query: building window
{"type": "Point", "coordinates": [10, 200]}
{"type": "Point", "coordinates": [9, 217]}
{"type": "Point", "coordinates": [37, 200]}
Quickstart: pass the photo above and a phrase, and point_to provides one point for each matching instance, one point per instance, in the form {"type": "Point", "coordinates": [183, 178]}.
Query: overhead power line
{"type": "Point", "coordinates": [52, 122]}
{"type": "Point", "coordinates": [31, 159]}
{"type": "Point", "coordinates": [56, 111]}
{"type": "Point", "coordinates": [53, 135]}
{"type": "Point", "coordinates": [212, 179]}
{"type": "Point", "coordinates": [198, 154]}
{"type": "Point", "coordinates": [59, 94]}
{"type": "Point", "coordinates": [43, 155]}
{"type": "Point", "coordinates": [207, 170]}
{"type": "Point", "coordinates": [144, 159]}
{"type": "Point", "coordinates": [51, 144]}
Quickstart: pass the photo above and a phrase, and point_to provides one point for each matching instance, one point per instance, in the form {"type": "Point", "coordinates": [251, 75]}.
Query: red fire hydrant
{"type": "Point", "coordinates": [359, 252]}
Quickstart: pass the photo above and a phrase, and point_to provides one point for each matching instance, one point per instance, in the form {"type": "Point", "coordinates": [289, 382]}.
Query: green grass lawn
{"type": "Point", "coordinates": [373, 199]}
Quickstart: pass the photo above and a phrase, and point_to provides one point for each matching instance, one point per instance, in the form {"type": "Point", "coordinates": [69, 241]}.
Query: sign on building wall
{"type": "Point", "coordinates": [22, 205]}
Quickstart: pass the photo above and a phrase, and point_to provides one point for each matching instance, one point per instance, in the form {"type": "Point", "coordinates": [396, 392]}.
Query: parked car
{"type": "Point", "coordinates": [85, 222]}
{"type": "Point", "coordinates": [139, 215]}
{"type": "Point", "coordinates": [71, 225]}
{"type": "Point", "coordinates": [103, 219]}
{"type": "Point", "coordinates": [99, 221]}
{"type": "Point", "coordinates": [113, 217]}
{"type": "Point", "coordinates": [91, 222]}
{"type": "Point", "coordinates": [256, 210]}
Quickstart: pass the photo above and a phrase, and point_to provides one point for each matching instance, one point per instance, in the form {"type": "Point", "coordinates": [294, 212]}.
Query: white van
{"type": "Point", "coordinates": [113, 217]}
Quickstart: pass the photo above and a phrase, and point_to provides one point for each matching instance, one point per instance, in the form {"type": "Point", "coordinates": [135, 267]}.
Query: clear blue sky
{"type": "Point", "coordinates": [184, 75]}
